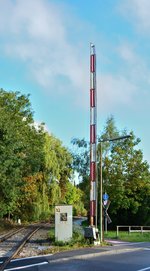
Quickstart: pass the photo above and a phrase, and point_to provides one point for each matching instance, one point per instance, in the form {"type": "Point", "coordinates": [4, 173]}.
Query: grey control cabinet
{"type": "Point", "coordinates": [63, 222]}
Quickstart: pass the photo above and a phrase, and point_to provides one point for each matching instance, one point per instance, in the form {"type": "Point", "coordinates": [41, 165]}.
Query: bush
{"type": "Point", "coordinates": [77, 240]}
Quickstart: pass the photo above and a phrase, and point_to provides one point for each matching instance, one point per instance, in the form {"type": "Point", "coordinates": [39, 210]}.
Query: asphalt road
{"type": "Point", "coordinates": [119, 257]}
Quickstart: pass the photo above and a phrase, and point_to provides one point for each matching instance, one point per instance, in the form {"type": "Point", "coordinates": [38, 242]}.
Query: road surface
{"type": "Point", "coordinates": [119, 257]}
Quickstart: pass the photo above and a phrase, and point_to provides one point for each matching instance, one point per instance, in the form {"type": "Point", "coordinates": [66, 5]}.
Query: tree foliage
{"type": "Point", "coordinates": [81, 164]}
{"type": "Point", "coordinates": [15, 126]}
{"type": "Point", "coordinates": [126, 176]}
{"type": "Point", "coordinates": [35, 167]}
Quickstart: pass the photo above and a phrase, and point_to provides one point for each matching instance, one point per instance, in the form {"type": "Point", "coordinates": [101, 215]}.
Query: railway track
{"type": "Point", "coordinates": [9, 234]}
{"type": "Point", "coordinates": [13, 243]}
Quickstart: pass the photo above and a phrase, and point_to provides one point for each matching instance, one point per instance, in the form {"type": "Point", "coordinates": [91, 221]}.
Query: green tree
{"type": "Point", "coordinates": [43, 188]}
{"type": "Point", "coordinates": [126, 177]}
{"type": "Point", "coordinates": [15, 113]}
{"type": "Point", "coordinates": [58, 160]}
{"type": "Point", "coordinates": [74, 196]}
{"type": "Point", "coordinates": [35, 167]}
{"type": "Point", "coordinates": [81, 164]}
{"type": "Point", "coordinates": [20, 148]}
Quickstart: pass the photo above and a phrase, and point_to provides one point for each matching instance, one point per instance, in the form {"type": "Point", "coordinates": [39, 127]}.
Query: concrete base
{"type": "Point", "coordinates": [97, 243]}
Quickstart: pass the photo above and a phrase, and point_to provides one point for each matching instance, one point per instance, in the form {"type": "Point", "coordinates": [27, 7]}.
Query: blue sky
{"type": "Point", "coordinates": [44, 51]}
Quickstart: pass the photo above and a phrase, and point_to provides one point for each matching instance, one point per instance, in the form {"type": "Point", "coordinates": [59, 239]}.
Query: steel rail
{"type": "Point", "coordinates": [7, 235]}
{"type": "Point", "coordinates": [18, 248]}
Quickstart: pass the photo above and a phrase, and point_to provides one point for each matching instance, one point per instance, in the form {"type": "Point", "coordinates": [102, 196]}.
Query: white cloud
{"type": "Point", "coordinates": [35, 32]}
{"type": "Point", "coordinates": [114, 91]}
{"type": "Point", "coordinates": [127, 52]}
{"type": "Point", "coordinates": [134, 64]}
{"type": "Point", "coordinates": [33, 19]}
{"type": "Point", "coordinates": [138, 11]}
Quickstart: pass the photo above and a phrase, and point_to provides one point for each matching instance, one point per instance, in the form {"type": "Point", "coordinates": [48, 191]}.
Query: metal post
{"type": "Point", "coordinates": [105, 224]}
{"type": "Point", "coordinates": [101, 195]}
{"type": "Point", "coordinates": [117, 231]}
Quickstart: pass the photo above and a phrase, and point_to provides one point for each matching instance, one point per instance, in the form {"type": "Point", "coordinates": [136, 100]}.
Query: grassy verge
{"type": "Point", "coordinates": [77, 241]}
{"type": "Point", "coordinates": [125, 236]}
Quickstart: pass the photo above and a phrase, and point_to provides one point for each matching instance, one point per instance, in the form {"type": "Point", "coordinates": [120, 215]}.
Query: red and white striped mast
{"type": "Point", "coordinates": [93, 138]}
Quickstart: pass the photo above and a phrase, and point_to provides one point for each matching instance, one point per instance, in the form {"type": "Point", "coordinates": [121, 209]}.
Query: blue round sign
{"type": "Point", "coordinates": [105, 196]}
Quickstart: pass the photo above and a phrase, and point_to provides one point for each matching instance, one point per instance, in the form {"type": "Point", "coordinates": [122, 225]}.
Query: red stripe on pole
{"type": "Point", "coordinates": [92, 134]}
{"type": "Point", "coordinates": [92, 208]}
{"type": "Point", "coordinates": [92, 97]}
{"type": "Point", "coordinates": [92, 171]}
{"type": "Point", "coordinates": [92, 61]}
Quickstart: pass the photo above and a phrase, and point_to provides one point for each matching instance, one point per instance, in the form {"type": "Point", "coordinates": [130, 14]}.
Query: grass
{"type": "Point", "coordinates": [124, 235]}
{"type": "Point", "coordinates": [132, 237]}
{"type": "Point", "coordinates": [77, 241]}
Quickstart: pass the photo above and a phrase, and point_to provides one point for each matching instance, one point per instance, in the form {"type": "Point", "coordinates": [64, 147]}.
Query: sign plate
{"type": "Point", "coordinates": [105, 202]}
{"type": "Point", "coordinates": [105, 196]}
